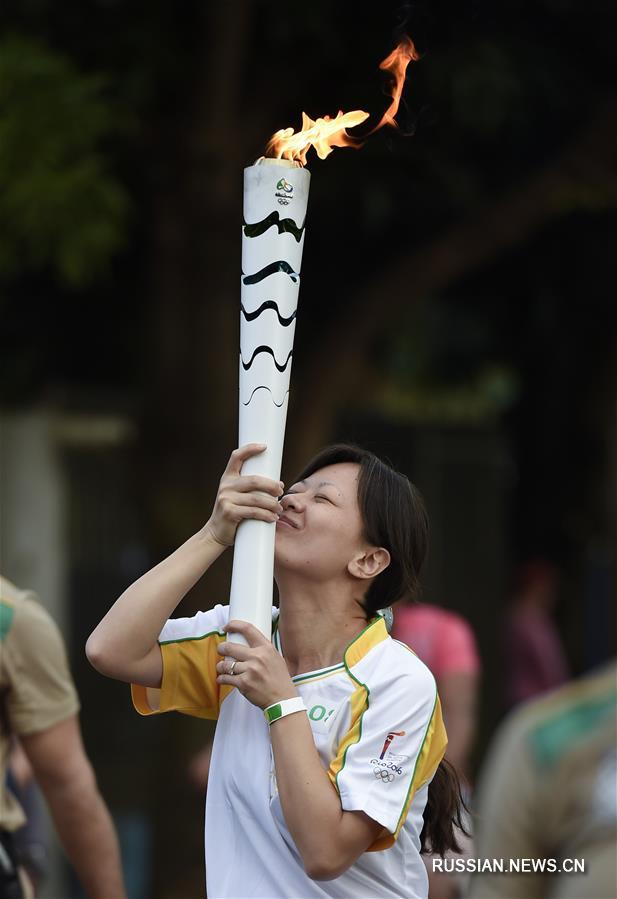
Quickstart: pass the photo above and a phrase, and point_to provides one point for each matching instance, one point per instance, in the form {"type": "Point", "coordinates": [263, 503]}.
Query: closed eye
{"type": "Point", "coordinates": [321, 496]}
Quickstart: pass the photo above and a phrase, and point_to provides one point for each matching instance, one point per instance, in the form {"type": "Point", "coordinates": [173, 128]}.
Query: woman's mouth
{"type": "Point", "coordinates": [286, 522]}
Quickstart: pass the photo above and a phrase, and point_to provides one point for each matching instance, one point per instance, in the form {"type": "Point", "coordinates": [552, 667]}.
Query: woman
{"type": "Point", "coordinates": [324, 795]}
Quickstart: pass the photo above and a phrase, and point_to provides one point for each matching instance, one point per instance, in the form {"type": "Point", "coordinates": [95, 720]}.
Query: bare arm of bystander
{"type": "Point", "coordinates": [82, 820]}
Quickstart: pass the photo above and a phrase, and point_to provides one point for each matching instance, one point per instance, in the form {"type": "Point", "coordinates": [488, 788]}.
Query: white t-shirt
{"type": "Point", "coordinates": [377, 726]}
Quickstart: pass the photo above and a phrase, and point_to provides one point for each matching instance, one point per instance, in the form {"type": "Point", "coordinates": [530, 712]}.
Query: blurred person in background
{"type": "Point", "coordinates": [447, 645]}
{"type": "Point", "coordinates": [547, 793]}
{"type": "Point", "coordinates": [30, 840]}
{"type": "Point", "coordinates": [39, 705]}
{"type": "Point", "coordinates": [534, 656]}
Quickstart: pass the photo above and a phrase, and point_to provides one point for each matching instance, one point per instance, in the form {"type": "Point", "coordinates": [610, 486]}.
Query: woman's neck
{"type": "Point", "coordinates": [316, 624]}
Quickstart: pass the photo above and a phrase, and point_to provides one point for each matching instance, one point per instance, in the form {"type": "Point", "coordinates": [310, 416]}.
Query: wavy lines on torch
{"type": "Point", "coordinates": [271, 246]}
{"type": "Point", "coordinates": [265, 349]}
{"type": "Point", "coordinates": [265, 387]}
{"type": "Point", "coordinates": [279, 266]}
{"type": "Point", "coordinates": [284, 226]}
{"type": "Point", "coordinates": [269, 304]}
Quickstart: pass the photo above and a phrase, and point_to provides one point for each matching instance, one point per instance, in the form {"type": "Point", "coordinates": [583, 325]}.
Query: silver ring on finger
{"type": "Point", "coordinates": [232, 666]}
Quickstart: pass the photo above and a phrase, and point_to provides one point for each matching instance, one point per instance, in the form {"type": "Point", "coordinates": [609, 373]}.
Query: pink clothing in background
{"type": "Point", "coordinates": [442, 639]}
{"type": "Point", "coordinates": [535, 657]}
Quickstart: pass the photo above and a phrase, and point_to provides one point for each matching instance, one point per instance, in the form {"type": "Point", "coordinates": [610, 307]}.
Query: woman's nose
{"type": "Point", "coordinates": [292, 501]}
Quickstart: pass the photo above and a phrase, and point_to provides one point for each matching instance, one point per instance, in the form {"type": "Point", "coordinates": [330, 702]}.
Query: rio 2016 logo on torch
{"type": "Point", "coordinates": [284, 198]}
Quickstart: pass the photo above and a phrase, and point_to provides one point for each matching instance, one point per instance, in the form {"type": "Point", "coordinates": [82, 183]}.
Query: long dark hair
{"type": "Point", "coordinates": [394, 517]}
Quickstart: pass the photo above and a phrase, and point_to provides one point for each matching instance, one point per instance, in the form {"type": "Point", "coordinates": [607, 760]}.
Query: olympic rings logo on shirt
{"type": "Point", "coordinates": [389, 766]}
{"type": "Point", "coordinates": [385, 776]}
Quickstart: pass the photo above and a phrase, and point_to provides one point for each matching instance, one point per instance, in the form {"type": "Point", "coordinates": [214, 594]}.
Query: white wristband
{"type": "Point", "coordinates": [284, 707]}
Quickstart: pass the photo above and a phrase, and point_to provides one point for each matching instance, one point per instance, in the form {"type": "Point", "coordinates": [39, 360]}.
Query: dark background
{"type": "Point", "coordinates": [457, 310]}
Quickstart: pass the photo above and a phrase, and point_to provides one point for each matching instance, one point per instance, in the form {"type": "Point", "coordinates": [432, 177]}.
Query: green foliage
{"type": "Point", "coordinates": [60, 207]}
{"type": "Point", "coordinates": [442, 365]}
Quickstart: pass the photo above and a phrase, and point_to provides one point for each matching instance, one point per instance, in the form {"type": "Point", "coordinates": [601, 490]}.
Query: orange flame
{"type": "Point", "coordinates": [397, 63]}
{"type": "Point", "coordinates": [326, 133]}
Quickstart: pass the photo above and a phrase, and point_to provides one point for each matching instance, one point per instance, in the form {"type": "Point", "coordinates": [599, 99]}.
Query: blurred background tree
{"type": "Point", "coordinates": [456, 312]}
{"type": "Point", "coordinates": [62, 208]}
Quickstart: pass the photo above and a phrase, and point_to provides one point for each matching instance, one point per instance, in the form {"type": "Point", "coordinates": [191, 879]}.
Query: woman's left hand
{"type": "Point", "coordinates": [259, 671]}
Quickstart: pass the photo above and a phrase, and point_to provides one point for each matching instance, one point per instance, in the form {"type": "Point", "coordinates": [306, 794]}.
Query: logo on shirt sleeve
{"type": "Point", "coordinates": [388, 740]}
{"type": "Point", "coordinates": [389, 764]}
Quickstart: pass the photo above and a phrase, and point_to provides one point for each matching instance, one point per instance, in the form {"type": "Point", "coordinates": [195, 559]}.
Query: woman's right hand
{"type": "Point", "coordinates": [243, 496]}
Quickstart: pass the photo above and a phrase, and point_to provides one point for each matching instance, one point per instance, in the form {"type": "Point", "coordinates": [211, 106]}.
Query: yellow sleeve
{"type": "Point", "coordinates": [189, 679]}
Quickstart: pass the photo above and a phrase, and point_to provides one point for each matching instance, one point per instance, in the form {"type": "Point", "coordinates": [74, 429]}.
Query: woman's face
{"type": "Point", "coordinates": [321, 527]}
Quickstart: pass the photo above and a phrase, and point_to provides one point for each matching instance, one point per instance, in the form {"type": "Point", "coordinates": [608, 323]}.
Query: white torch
{"type": "Point", "coordinates": [275, 202]}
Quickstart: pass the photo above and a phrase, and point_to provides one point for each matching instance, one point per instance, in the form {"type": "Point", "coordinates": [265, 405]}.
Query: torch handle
{"type": "Point", "coordinates": [251, 582]}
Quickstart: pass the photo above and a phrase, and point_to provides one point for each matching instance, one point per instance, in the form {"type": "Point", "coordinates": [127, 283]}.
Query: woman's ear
{"type": "Point", "coordinates": [370, 563]}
